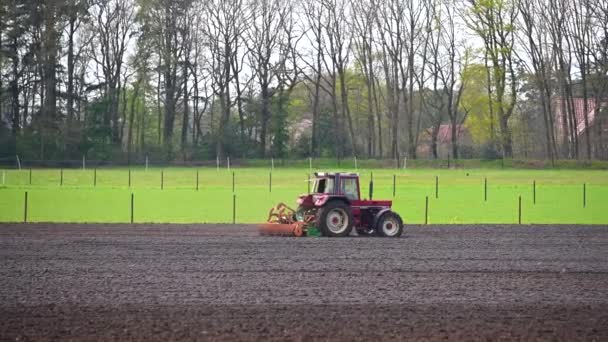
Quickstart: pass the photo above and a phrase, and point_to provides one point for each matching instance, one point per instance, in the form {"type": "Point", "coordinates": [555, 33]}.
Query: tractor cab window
{"type": "Point", "coordinates": [324, 186]}
{"type": "Point", "coordinates": [349, 188]}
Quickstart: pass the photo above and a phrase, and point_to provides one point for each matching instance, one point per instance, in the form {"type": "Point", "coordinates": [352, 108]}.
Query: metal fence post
{"type": "Point", "coordinates": [584, 195]}
{"type": "Point", "coordinates": [519, 211]}
{"type": "Point", "coordinates": [436, 186]}
{"type": "Point", "coordinates": [233, 208]}
{"type": "Point", "coordinates": [485, 189]}
{"type": "Point", "coordinates": [308, 182]}
{"type": "Point", "coordinates": [25, 209]}
{"type": "Point", "coordinates": [426, 210]}
{"type": "Point", "coordinates": [132, 200]}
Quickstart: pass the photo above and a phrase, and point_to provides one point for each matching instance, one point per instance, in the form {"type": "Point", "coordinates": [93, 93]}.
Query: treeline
{"type": "Point", "coordinates": [200, 79]}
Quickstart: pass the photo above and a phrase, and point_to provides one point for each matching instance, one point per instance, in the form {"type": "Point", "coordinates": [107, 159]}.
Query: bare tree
{"type": "Point", "coordinates": [264, 37]}
{"type": "Point", "coordinates": [314, 12]}
{"type": "Point", "coordinates": [223, 29]}
{"type": "Point", "coordinates": [363, 28]}
{"type": "Point", "coordinates": [113, 23]}
{"type": "Point", "coordinates": [535, 44]}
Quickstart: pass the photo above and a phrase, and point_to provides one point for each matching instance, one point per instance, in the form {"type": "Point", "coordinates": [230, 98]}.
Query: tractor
{"type": "Point", "coordinates": [333, 209]}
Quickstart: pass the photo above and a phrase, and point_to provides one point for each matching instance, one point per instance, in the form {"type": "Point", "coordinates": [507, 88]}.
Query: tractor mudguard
{"type": "Point", "coordinates": [379, 215]}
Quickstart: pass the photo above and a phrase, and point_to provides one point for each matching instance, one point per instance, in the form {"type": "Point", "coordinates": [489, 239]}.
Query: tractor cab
{"type": "Point", "coordinates": [337, 184]}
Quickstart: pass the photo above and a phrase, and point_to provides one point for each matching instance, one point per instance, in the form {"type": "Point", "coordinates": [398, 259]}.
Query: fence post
{"type": "Point", "coordinates": [448, 160]}
{"type": "Point", "coordinates": [308, 183]}
{"type": "Point", "coordinates": [232, 181]}
{"type": "Point", "coordinates": [61, 177]}
{"type": "Point", "coordinates": [485, 189]}
{"type": "Point", "coordinates": [270, 182]}
{"type": "Point", "coordinates": [584, 195]}
{"type": "Point", "coordinates": [394, 184]}
{"type": "Point", "coordinates": [217, 163]}
{"type": "Point", "coordinates": [228, 163]}
{"type": "Point", "coordinates": [272, 163]}
{"type": "Point", "coordinates": [309, 165]}
{"type": "Point", "coordinates": [162, 179]}
{"type": "Point", "coordinates": [3, 177]}
{"type": "Point", "coordinates": [233, 208]}
{"type": "Point", "coordinates": [95, 177]}
{"type": "Point", "coordinates": [519, 211]}
{"type": "Point", "coordinates": [84, 163]}
{"type": "Point", "coordinates": [534, 192]}
{"type": "Point", "coordinates": [146, 163]}
{"type": "Point", "coordinates": [30, 176]}
{"type": "Point", "coordinates": [25, 209]}
{"type": "Point", "coordinates": [129, 178]}
{"type": "Point", "coordinates": [197, 180]}
{"type": "Point", "coordinates": [426, 210]}
{"type": "Point", "coordinates": [132, 200]}
{"type": "Point", "coordinates": [436, 186]}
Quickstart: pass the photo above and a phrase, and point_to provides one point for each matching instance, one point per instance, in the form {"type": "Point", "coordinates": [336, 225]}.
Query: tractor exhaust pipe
{"type": "Point", "coordinates": [371, 189]}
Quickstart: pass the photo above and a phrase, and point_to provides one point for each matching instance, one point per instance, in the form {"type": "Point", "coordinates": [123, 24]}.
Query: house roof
{"type": "Point", "coordinates": [445, 133]}
{"type": "Point", "coordinates": [579, 111]}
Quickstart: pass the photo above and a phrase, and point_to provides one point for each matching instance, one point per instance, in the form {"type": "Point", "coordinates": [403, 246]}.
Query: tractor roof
{"type": "Point", "coordinates": [333, 174]}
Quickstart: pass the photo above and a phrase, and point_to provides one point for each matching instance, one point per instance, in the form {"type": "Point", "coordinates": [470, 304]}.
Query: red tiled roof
{"type": "Point", "coordinates": [579, 112]}
{"type": "Point", "coordinates": [445, 133]}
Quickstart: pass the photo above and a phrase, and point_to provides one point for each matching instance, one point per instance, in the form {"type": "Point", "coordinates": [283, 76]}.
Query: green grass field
{"type": "Point", "coordinates": [559, 194]}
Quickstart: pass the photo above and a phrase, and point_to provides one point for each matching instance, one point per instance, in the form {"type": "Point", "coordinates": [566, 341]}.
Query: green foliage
{"type": "Point", "coordinates": [476, 103]}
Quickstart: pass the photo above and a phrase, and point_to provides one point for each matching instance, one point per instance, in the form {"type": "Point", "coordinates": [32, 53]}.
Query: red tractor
{"type": "Point", "coordinates": [334, 208]}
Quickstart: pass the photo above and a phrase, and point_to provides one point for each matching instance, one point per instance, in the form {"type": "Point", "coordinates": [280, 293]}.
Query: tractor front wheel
{"type": "Point", "coordinates": [335, 219]}
{"type": "Point", "coordinates": [390, 225]}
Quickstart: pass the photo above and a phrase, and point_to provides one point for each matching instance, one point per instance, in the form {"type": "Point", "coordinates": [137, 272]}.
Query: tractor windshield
{"type": "Point", "coordinates": [324, 186]}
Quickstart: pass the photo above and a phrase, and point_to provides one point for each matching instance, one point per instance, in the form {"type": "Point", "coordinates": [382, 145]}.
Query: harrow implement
{"type": "Point", "coordinates": [282, 221]}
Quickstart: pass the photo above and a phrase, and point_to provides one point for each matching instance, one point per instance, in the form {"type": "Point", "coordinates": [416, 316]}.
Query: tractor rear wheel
{"type": "Point", "coordinates": [335, 219]}
{"type": "Point", "coordinates": [389, 225]}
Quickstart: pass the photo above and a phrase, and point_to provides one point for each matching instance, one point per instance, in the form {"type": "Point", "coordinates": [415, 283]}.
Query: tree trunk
{"type": "Point", "coordinates": [505, 132]}
{"type": "Point", "coordinates": [159, 107]}
{"type": "Point", "coordinates": [378, 119]}
{"type": "Point", "coordinates": [70, 90]}
{"type": "Point", "coordinates": [15, 90]}
{"type": "Point", "coordinates": [186, 118]}
{"type": "Point", "coordinates": [265, 117]}
{"type": "Point", "coordinates": [454, 137]}
{"type": "Point", "coordinates": [132, 120]}
{"type": "Point", "coordinates": [315, 115]}
{"type": "Point", "coordinates": [49, 69]}
{"type": "Point", "coordinates": [346, 111]}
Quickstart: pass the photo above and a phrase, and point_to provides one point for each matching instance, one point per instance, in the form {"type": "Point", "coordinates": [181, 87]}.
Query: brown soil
{"type": "Point", "coordinates": [223, 282]}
